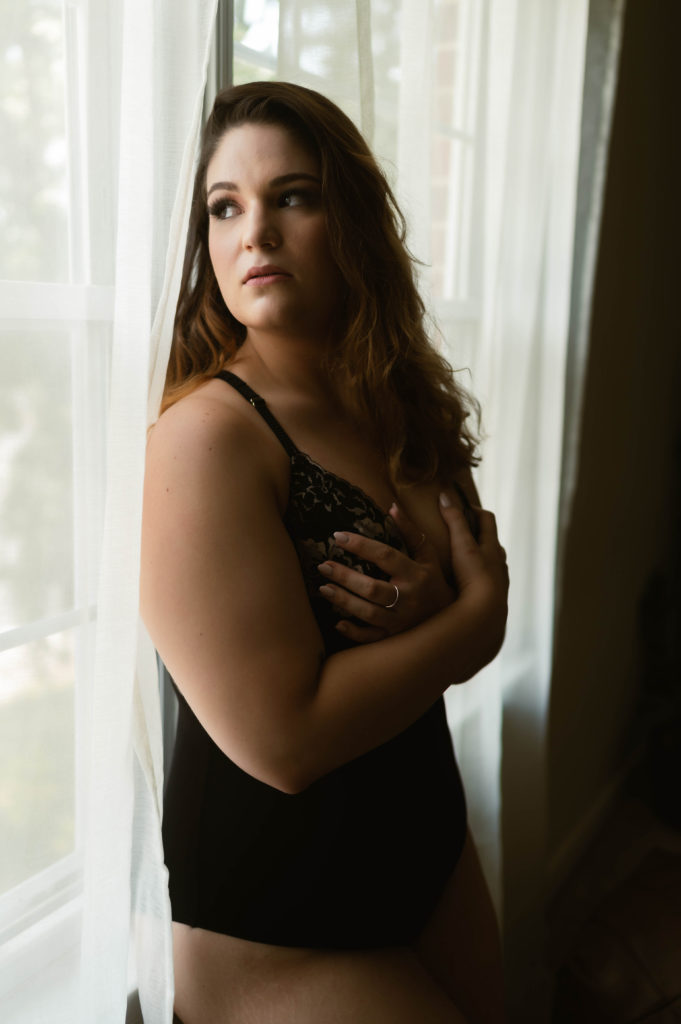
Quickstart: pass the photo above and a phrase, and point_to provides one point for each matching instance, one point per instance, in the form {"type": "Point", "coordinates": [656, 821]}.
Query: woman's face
{"type": "Point", "coordinates": [267, 234]}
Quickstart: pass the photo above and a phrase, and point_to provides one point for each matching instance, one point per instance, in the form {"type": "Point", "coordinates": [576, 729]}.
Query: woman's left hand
{"type": "Point", "coordinates": [416, 589]}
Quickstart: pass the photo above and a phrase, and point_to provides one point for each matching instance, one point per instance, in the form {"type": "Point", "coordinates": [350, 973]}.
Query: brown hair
{"type": "Point", "coordinates": [384, 362]}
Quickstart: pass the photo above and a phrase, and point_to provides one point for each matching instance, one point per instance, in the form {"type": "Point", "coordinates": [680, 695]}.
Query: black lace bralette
{"type": "Point", "coordinates": [320, 503]}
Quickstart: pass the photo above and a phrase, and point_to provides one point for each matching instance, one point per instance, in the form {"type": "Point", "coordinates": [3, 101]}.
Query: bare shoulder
{"type": "Point", "coordinates": [205, 421]}
{"type": "Point", "coordinates": [206, 474]}
{"type": "Point", "coordinates": [213, 437]}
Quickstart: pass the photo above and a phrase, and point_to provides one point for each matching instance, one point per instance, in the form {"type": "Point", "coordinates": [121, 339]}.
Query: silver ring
{"type": "Point", "coordinates": [397, 597]}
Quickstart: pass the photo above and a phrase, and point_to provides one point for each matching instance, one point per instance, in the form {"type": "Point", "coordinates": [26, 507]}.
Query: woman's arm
{"type": "Point", "coordinates": [224, 601]}
{"type": "Point", "coordinates": [396, 679]}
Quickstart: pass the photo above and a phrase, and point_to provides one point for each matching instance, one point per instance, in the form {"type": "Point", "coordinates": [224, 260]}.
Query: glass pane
{"type": "Point", "coordinates": [37, 793]}
{"type": "Point", "coordinates": [447, 62]}
{"type": "Point", "coordinates": [256, 25]}
{"type": "Point", "coordinates": [36, 476]}
{"type": "Point", "coordinates": [458, 345]}
{"type": "Point", "coordinates": [244, 72]}
{"type": "Point", "coordinates": [451, 224]}
{"type": "Point", "coordinates": [386, 43]}
{"type": "Point", "coordinates": [33, 170]}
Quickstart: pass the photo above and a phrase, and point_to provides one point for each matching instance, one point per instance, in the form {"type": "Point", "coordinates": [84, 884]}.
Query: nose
{"type": "Point", "coordinates": [259, 228]}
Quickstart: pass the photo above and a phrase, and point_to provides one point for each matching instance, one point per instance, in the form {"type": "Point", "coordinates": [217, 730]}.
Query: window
{"type": "Point", "coordinates": [56, 299]}
{"type": "Point", "coordinates": [256, 37]}
{"type": "Point", "coordinates": [456, 173]}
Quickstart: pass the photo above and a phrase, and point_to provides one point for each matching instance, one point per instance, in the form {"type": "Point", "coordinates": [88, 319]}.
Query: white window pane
{"type": "Point", "coordinates": [457, 40]}
{"type": "Point", "coordinates": [256, 25]}
{"type": "Point", "coordinates": [36, 476]}
{"type": "Point", "coordinates": [325, 43]}
{"type": "Point", "coordinates": [452, 211]}
{"type": "Point", "coordinates": [33, 171]}
{"type": "Point", "coordinates": [459, 338]}
{"type": "Point", "coordinates": [386, 37]}
{"type": "Point", "coordinates": [447, 61]}
{"type": "Point", "coordinates": [244, 72]}
{"type": "Point", "coordinates": [37, 749]}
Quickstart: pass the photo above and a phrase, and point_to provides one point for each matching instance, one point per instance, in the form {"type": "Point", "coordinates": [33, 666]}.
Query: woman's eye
{"type": "Point", "coordinates": [296, 197]}
{"type": "Point", "coordinates": [222, 209]}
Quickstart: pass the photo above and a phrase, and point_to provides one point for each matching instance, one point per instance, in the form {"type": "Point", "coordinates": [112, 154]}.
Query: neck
{"type": "Point", "coordinates": [291, 364]}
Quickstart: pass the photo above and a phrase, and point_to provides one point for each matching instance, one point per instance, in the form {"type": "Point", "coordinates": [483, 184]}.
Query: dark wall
{"type": "Point", "coordinates": [624, 520]}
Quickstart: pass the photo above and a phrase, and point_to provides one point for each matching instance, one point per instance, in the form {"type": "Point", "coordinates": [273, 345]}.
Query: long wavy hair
{"type": "Point", "coordinates": [397, 384]}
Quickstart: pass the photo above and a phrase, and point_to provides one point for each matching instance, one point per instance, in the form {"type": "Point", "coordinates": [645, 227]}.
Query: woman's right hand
{"type": "Point", "coordinates": [415, 582]}
{"type": "Point", "coordinates": [372, 608]}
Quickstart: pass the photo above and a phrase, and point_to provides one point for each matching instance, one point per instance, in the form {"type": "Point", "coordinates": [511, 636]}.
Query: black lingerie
{"type": "Point", "coordinates": [360, 857]}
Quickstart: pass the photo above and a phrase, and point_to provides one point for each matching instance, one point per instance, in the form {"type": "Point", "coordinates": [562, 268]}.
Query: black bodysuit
{"type": "Point", "coordinates": [360, 857]}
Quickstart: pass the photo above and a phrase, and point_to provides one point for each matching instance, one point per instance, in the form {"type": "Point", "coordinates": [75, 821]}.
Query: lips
{"type": "Point", "coordinates": [265, 275]}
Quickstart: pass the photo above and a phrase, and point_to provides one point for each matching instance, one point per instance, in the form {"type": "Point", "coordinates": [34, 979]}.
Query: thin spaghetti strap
{"type": "Point", "coordinates": [260, 405]}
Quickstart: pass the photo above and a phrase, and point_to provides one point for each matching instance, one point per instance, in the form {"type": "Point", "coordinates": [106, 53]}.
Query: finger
{"type": "Point", "coordinates": [359, 583]}
{"type": "Point", "coordinates": [466, 553]}
{"type": "Point", "coordinates": [355, 607]}
{"type": "Point", "coordinates": [457, 524]}
{"type": "Point", "coordinates": [488, 527]}
{"type": "Point", "coordinates": [384, 556]}
{"type": "Point", "coordinates": [418, 545]}
{"type": "Point", "coordinates": [360, 634]}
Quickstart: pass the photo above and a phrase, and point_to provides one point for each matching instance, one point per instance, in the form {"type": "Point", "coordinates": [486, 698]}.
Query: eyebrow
{"type": "Point", "coordinates": [283, 179]}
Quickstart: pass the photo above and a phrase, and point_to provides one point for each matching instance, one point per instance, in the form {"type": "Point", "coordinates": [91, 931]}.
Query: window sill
{"type": "Point", "coordinates": [39, 969]}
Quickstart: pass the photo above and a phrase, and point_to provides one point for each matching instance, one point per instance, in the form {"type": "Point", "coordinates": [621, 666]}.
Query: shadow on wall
{"type": "Point", "coordinates": [624, 522]}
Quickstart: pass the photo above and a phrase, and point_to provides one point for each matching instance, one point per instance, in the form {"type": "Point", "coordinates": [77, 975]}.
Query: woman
{"type": "Point", "coordinates": [315, 826]}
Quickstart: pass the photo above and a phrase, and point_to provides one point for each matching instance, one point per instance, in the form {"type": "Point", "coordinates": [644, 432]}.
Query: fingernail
{"type": "Point", "coordinates": [342, 627]}
{"type": "Point", "coordinates": [394, 507]}
{"type": "Point", "coordinates": [326, 591]}
{"type": "Point", "coordinates": [342, 538]}
{"type": "Point", "coordinates": [445, 500]}
{"type": "Point", "coordinates": [325, 569]}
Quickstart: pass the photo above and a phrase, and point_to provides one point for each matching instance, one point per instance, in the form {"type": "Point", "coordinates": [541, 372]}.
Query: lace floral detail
{"type": "Point", "coordinates": [320, 504]}
{"type": "Point", "coordinates": [370, 529]}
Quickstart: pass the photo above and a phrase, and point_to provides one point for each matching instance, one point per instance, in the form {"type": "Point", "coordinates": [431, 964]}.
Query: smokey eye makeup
{"type": "Point", "coordinates": [222, 209]}
{"type": "Point", "coordinates": [225, 208]}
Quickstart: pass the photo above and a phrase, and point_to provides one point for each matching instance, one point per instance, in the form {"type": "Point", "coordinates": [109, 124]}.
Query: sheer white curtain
{"type": "Point", "coordinates": [521, 113]}
{"type": "Point", "coordinates": [100, 114]}
{"type": "Point", "coordinates": [163, 59]}
{"type": "Point", "coordinates": [521, 108]}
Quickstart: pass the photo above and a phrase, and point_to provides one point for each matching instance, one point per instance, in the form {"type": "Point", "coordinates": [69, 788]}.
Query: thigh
{"type": "Point", "coordinates": [460, 946]}
{"type": "Point", "coordinates": [382, 987]}
{"type": "Point", "coordinates": [226, 981]}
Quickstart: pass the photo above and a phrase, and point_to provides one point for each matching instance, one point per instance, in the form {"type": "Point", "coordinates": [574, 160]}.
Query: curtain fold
{"type": "Point", "coordinates": [533, 86]}
{"type": "Point", "coordinates": [537, 105]}
{"type": "Point", "coordinates": [534, 102]}
{"type": "Point", "coordinates": [606, 18]}
{"type": "Point", "coordinates": [163, 71]}
{"type": "Point", "coordinates": [514, 76]}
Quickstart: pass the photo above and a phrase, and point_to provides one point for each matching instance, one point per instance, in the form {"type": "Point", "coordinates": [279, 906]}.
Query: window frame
{"type": "Point", "coordinates": [39, 917]}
